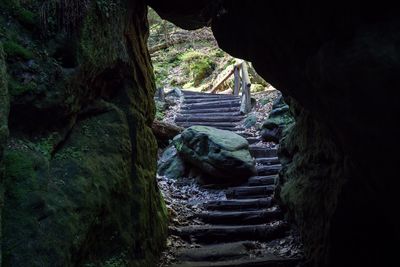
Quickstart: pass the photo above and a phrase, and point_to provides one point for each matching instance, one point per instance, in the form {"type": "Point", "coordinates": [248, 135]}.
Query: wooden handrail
{"type": "Point", "coordinates": [235, 68]}
{"type": "Point", "coordinates": [239, 83]}
{"type": "Point", "coordinates": [215, 88]}
{"type": "Point", "coordinates": [245, 106]}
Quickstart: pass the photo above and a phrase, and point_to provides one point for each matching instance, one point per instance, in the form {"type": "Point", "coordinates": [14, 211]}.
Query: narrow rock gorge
{"type": "Point", "coordinates": [78, 157]}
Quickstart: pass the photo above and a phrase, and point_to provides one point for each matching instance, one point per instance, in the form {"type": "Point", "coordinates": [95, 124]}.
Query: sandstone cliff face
{"type": "Point", "coordinates": [4, 109]}
{"type": "Point", "coordinates": [79, 184]}
{"type": "Point", "coordinates": [339, 64]}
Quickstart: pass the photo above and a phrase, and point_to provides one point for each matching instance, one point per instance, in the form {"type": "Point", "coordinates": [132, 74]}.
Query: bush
{"type": "Point", "coordinates": [198, 65]}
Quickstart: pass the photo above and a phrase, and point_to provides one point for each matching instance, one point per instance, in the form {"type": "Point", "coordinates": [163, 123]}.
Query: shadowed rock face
{"type": "Point", "coordinates": [338, 63]}
{"type": "Point", "coordinates": [80, 161]}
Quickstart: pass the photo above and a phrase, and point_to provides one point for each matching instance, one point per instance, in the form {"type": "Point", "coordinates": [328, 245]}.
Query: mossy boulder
{"type": "Point", "coordinates": [278, 120]}
{"type": "Point", "coordinates": [170, 164]}
{"type": "Point", "coordinates": [220, 154]}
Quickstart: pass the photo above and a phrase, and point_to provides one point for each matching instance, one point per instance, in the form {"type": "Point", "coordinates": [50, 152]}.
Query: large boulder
{"type": "Point", "coordinates": [220, 154]}
{"type": "Point", "coordinates": [278, 120]}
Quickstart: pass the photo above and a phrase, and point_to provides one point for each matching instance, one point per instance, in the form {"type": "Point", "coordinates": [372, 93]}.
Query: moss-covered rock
{"type": "Point", "coordinates": [4, 109]}
{"type": "Point", "coordinates": [221, 155]}
{"type": "Point", "coordinates": [313, 174]}
{"type": "Point", "coordinates": [250, 121]}
{"type": "Point", "coordinates": [170, 164]}
{"type": "Point", "coordinates": [278, 120]}
{"type": "Point", "coordinates": [81, 163]}
{"type": "Point", "coordinates": [15, 50]}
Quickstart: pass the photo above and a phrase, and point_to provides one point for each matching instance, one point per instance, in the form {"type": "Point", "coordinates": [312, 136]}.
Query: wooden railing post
{"type": "Point", "coordinates": [236, 81]}
{"type": "Point", "coordinates": [245, 106]}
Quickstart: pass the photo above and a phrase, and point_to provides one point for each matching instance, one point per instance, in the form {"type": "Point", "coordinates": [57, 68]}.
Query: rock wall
{"type": "Point", "coordinates": [339, 63]}
{"type": "Point", "coordinates": [4, 109]}
{"type": "Point", "coordinates": [80, 163]}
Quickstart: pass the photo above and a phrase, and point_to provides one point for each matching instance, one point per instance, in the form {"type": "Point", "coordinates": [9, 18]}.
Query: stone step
{"type": "Point", "coordinates": [234, 110]}
{"type": "Point", "coordinates": [264, 261]}
{"type": "Point", "coordinates": [208, 95]}
{"type": "Point", "coordinates": [253, 140]}
{"type": "Point", "coordinates": [211, 114]}
{"type": "Point", "coordinates": [221, 126]}
{"type": "Point", "coordinates": [268, 161]}
{"type": "Point", "coordinates": [208, 99]}
{"type": "Point", "coordinates": [242, 192]}
{"type": "Point", "coordinates": [268, 169]}
{"type": "Point", "coordinates": [193, 93]}
{"type": "Point", "coordinates": [240, 204]}
{"type": "Point", "coordinates": [240, 217]}
{"type": "Point", "coordinates": [228, 233]}
{"type": "Point", "coordinates": [262, 180]}
{"type": "Point", "coordinates": [244, 134]}
{"type": "Point", "coordinates": [217, 252]}
{"type": "Point", "coordinates": [232, 129]}
{"type": "Point", "coordinates": [209, 105]}
{"type": "Point", "coordinates": [262, 152]}
{"type": "Point", "coordinates": [201, 118]}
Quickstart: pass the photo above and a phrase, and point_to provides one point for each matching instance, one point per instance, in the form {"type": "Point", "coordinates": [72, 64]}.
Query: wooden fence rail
{"type": "Point", "coordinates": [240, 82]}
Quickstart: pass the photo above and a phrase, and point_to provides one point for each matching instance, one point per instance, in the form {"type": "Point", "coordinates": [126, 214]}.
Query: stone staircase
{"type": "Point", "coordinates": [233, 227]}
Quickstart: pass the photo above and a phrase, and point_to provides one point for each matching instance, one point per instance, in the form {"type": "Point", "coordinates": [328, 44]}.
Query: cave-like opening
{"type": "Point", "coordinates": [78, 153]}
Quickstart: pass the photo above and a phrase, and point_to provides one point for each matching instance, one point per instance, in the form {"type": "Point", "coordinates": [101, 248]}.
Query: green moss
{"type": "Point", "coordinates": [19, 164]}
{"type": "Point", "coordinates": [95, 195]}
{"type": "Point", "coordinates": [255, 88]}
{"type": "Point", "coordinates": [21, 198]}
{"type": "Point", "coordinates": [24, 16]}
{"type": "Point", "coordinates": [15, 50]}
{"type": "Point", "coordinates": [198, 65]}
{"type": "Point", "coordinates": [160, 110]}
{"type": "Point", "coordinates": [4, 110]}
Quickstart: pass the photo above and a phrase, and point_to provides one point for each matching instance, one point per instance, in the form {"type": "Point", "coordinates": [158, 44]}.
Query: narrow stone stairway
{"type": "Point", "coordinates": [233, 227]}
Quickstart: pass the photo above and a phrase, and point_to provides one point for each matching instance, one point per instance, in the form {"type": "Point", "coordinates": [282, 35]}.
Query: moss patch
{"type": "Point", "coordinates": [81, 171]}
{"type": "Point", "coordinates": [198, 65]}
{"type": "Point", "coordinates": [4, 109]}
{"type": "Point", "coordinates": [15, 50]}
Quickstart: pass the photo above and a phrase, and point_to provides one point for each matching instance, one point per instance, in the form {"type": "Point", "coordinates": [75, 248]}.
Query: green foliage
{"type": "Point", "coordinates": [219, 53]}
{"type": "Point", "coordinates": [255, 88]}
{"type": "Point", "coordinates": [160, 110]}
{"type": "Point", "coordinates": [161, 74]}
{"type": "Point", "coordinates": [198, 65]}
{"type": "Point", "coordinates": [15, 50]}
